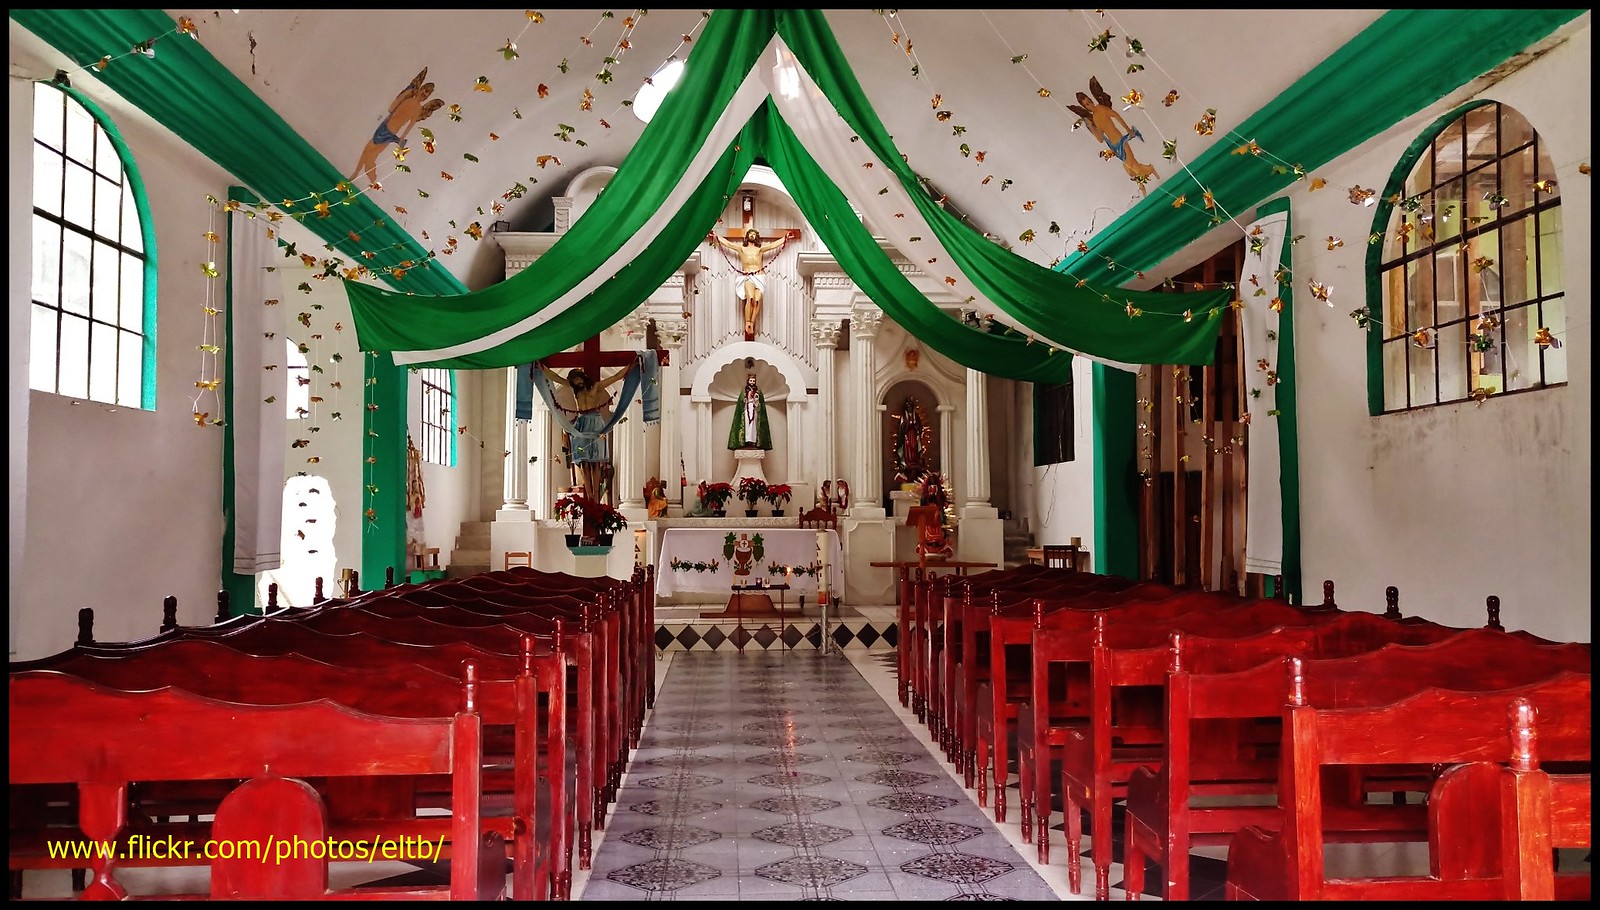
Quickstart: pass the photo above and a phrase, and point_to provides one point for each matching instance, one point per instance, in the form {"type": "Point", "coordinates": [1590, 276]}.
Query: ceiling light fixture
{"type": "Point", "coordinates": [648, 100]}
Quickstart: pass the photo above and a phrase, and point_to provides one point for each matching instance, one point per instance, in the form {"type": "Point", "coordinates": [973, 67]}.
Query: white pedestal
{"type": "Point", "coordinates": [747, 463]}
{"type": "Point", "coordinates": [868, 540]}
{"type": "Point", "coordinates": [513, 530]}
{"type": "Point", "coordinates": [981, 535]}
{"type": "Point", "coordinates": [590, 566]}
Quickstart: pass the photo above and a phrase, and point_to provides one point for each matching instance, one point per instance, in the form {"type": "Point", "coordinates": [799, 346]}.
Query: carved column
{"type": "Point", "coordinates": [793, 414]}
{"type": "Point", "coordinates": [977, 493]}
{"type": "Point", "coordinates": [825, 334]}
{"type": "Point", "coordinates": [867, 492]}
{"type": "Point", "coordinates": [541, 492]}
{"type": "Point", "coordinates": [700, 452]}
{"type": "Point", "coordinates": [947, 460]}
{"type": "Point", "coordinates": [516, 463]}
{"type": "Point", "coordinates": [670, 334]}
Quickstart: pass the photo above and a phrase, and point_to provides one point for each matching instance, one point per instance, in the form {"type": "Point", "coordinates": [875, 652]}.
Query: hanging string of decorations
{"type": "Point", "coordinates": [209, 383]}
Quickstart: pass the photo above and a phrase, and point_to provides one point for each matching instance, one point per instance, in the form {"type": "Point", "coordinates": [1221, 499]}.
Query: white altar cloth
{"type": "Point", "coordinates": [780, 547]}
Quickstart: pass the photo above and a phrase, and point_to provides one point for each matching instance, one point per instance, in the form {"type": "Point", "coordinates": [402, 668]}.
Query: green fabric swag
{"type": "Point", "coordinates": [1050, 303]}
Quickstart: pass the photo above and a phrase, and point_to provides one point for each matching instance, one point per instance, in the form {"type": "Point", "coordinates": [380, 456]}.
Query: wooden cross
{"type": "Point", "coordinates": [591, 359]}
{"type": "Point", "coordinates": [747, 211]}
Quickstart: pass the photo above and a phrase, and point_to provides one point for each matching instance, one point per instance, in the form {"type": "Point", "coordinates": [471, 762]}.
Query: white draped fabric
{"type": "Point", "coordinates": [1263, 544]}
{"type": "Point", "coordinates": [258, 393]}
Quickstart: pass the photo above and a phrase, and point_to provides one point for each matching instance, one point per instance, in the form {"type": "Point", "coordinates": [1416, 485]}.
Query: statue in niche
{"type": "Point", "coordinates": [911, 439]}
{"type": "Point", "coordinates": [750, 429]}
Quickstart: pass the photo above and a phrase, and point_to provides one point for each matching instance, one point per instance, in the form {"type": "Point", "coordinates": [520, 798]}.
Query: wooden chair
{"type": "Point", "coordinates": [1061, 556]}
{"type": "Point", "coordinates": [519, 558]}
{"type": "Point", "coordinates": [820, 519]}
{"type": "Point", "coordinates": [426, 558]}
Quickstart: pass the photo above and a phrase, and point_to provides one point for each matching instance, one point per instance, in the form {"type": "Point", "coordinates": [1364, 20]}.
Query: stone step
{"type": "Point", "coordinates": [455, 570]}
{"type": "Point", "coordinates": [472, 557]}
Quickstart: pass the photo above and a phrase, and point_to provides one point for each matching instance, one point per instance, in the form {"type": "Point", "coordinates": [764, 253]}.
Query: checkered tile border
{"type": "Point", "coordinates": [773, 636]}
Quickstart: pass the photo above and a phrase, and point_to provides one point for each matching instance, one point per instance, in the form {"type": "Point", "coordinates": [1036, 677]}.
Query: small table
{"type": "Point", "coordinates": [752, 600]}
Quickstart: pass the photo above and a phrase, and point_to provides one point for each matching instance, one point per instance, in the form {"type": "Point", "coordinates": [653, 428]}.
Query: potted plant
{"type": "Point", "coordinates": [752, 490]}
{"type": "Point", "coordinates": [569, 508]}
{"type": "Point", "coordinates": [778, 495]}
{"type": "Point", "coordinates": [714, 497]}
{"type": "Point", "coordinates": [599, 521]}
{"type": "Point", "coordinates": [606, 521]}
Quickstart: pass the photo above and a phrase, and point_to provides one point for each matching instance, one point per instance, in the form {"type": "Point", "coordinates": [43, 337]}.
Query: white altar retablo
{"type": "Point", "coordinates": [747, 463]}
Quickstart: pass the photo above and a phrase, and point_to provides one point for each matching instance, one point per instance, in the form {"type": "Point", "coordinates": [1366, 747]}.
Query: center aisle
{"type": "Point", "coordinates": [784, 776]}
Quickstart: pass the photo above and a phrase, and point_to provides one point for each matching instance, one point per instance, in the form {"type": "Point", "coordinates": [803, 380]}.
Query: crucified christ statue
{"type": "Point", "coordinates": [752, 266]}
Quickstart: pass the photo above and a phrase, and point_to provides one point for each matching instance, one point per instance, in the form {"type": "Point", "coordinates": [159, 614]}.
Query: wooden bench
{"type": "Point", "coordinates": [422, 632]}
{"type": "Point", "coordinates": [1218, 691]}
{"type": "Point", "coordinates": [520, 734]}
{"type": "Point", "coordinates": [1431, 727]}
{"type": "Point", "coordinates": [118, 737]}
{"type": "Point", "coordinates": [998, 700]}
{"type": "Point", "coordinates": [1539, 812]}
{"type": "Point", "coordinates": [953, 684]}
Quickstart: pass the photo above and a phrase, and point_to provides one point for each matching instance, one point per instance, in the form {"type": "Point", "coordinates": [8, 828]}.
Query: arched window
{"type": "Point", "coordinates": [93, 322]}
{"type": "Point", "coordinates": [1470, 269]}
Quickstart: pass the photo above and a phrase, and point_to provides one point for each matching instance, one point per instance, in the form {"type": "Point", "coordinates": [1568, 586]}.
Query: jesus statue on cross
{"type": "Point", "coordinates": [752, 266]}
{"type": "Point", "coordinates": [752, 249]}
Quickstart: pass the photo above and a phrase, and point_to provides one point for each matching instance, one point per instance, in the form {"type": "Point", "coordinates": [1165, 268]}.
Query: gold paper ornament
{"type": "Point", "coordinates": [1334, 242]}
{"type": "Point", "coordinates": [1360, 195]}
{"type": "Point", "coordinates": [1544, 338]}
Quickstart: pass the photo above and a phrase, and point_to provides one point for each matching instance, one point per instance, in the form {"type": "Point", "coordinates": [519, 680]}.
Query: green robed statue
{"type": "Point", "coordinates": [750, 429]}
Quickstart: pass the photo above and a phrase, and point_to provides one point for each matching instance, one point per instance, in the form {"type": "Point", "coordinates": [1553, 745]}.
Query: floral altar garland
{"type": "Point", "coordinates": [684, 565]}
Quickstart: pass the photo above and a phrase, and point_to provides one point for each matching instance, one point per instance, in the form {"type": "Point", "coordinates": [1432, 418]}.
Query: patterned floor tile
{"type": "Point", "coordinates": [851, 816]}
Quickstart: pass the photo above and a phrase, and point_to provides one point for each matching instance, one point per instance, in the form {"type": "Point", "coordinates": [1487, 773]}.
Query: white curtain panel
{"type": "Point", "coordinates": [1263, 543]}
{"type": "Point", "coordinates": [258, 426]}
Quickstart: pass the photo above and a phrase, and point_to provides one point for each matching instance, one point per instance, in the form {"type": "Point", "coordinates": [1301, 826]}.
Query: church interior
{"type": "Point", "coordinates": [939, 393]}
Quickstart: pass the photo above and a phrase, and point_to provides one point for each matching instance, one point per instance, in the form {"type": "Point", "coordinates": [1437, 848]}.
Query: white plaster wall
{"type": "Point", "coordinates": [125, 505]}
{"type": "Point", "coordinates": [1057, 500]}
{"type": "Point", "coordinates": [1456, 502]}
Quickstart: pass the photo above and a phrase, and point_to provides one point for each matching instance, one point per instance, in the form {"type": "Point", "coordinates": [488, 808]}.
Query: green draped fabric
{"type": "Point", "coordinates": [1050, 303]}
{"type": "Point", "coordinates": [1403, 62]}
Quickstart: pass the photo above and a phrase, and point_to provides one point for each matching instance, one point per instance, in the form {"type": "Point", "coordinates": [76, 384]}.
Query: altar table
{"type": "Point", "coordinates": [690, 548]}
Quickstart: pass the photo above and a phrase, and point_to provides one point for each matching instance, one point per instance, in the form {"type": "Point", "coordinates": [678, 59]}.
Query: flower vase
{"type": "Point", "coordinates": [777, 513]}
{"type": "Point", "coordinates": [602, 539]}
{"type": "Point", "coordinates": [719, 513]}
{"type": "Point", "coordinates": [749, 513]}
{"type": "Point", "coordinates": [574, 540]}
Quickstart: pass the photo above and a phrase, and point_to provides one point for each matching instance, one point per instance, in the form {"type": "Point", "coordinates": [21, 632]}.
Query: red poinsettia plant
{"type": "Point", "coordinates": [715, 496]}
{"type": "Point", "coordinates": [752, 490]}
{"type": "Point", "coordinates": [778, 494]}
{"type": "Point", "coordinates": [597, 517]}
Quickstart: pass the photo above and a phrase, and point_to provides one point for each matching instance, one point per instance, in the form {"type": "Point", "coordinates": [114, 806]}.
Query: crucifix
{"type": "Point", "coordinates": [589, 454]}
{"type": "Point", "coordinates": [752, 248]}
